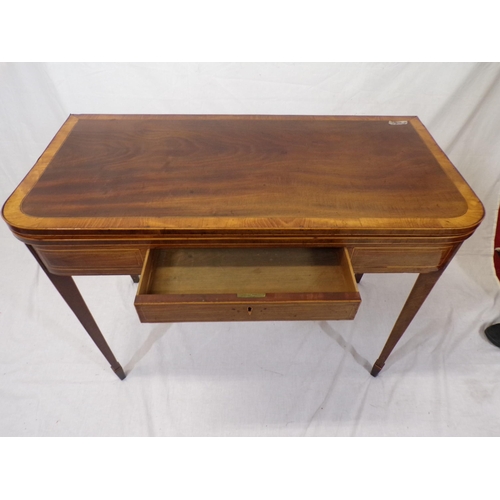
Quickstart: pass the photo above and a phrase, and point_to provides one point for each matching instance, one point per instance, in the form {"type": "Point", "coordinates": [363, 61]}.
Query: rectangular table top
{"type": "Point", "coordinates": [168, 173]}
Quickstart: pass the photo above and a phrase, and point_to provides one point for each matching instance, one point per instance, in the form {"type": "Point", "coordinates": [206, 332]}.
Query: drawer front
{"type": "Point", "coordinates": [92, 260]}
{"type": "Point", "coordinates": [398, 259]}
{"type": "Point", "coordinates": [246, 285]}
{"type": "Point", "coordinates": [246, 311]}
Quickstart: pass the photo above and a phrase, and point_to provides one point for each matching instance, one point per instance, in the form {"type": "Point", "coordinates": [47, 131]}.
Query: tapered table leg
{"type": "Point", "coordinates": [358, 277]}
{"type": "Point", "coordinates": [70, 293]}
{"type": "Point", "coordinates": [417, 296]}
{"type": "Point", "coordinates": [135, 278]}
{"type": "Point", "coordinates": [421, 289]}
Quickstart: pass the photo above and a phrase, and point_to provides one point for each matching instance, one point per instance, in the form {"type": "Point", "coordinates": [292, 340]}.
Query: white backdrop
{"type": "Point", "coordinates": [275, 378]}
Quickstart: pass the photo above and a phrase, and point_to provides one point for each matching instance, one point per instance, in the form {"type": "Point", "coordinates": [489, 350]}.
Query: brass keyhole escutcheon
{"type": "Point", "coordinates": [249, 311]}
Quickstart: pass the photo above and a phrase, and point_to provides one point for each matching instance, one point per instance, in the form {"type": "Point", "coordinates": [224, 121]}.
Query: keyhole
{"type": "Point", "coordinates": [249, 310]}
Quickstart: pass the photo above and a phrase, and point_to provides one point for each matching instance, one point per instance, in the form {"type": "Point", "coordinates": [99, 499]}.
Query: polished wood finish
{"type": "Point", "coordinates": [247, 285]}
{"type": "Point", "coordinates": [246, 171]}
{"type": "Point", "coordinates": [170, 174]}
{"type": "Point", "coordinates": [399, 259]}
{"type": "Point", "coordinates": [111, 188]}
{"type": "Point", "coordinates": [73, 261]}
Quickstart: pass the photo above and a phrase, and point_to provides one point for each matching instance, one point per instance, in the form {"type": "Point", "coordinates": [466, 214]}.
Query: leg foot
{"type": "Point", "coordinates": [119, 372]}
{"type": "Point", "coordinates": [135, 278]}
{"type": "Point", "coordinates": [376, 369]}
{"type": "Point", "coordinates": [358, 277]}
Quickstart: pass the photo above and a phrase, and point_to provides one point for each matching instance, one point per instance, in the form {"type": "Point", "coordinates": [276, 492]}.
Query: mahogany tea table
{"type": "Point", "coordinates": [243, 218]}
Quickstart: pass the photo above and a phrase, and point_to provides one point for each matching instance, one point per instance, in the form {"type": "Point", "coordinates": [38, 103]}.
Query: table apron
{"type": "Point", "coordinates": [123, 259]}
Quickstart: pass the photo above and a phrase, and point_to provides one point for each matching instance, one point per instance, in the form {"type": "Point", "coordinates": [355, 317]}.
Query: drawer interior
{"type": "Point", "coordinates": [193, 284]}
{"type": "Point", "coordinates": [248, 271]}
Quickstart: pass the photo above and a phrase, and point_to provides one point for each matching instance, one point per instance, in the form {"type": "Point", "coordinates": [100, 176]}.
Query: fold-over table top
{"type": "Point", "coordinates": [105, 173]}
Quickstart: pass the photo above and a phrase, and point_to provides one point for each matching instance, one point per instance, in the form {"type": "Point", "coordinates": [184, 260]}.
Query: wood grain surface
{"type": "Point", "coordinates": [145, 174]}
{"type": "Point", "coordinates": [251, 271]}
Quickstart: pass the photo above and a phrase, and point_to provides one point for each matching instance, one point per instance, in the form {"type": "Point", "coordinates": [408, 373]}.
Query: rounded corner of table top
{"type": "Point", "coordinates": [13, 215]}
{"type": "Point", "coordinates": [12, 211]}
{"type": "Point", "coordinates": [473, 216]}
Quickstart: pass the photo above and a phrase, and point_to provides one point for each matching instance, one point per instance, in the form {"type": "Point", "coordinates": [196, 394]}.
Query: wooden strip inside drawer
{"type": "Point", "coordinates": [247, 284]}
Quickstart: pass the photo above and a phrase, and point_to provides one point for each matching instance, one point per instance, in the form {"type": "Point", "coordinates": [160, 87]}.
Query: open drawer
{"type": "Point", "coordinates": [246, 284]}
